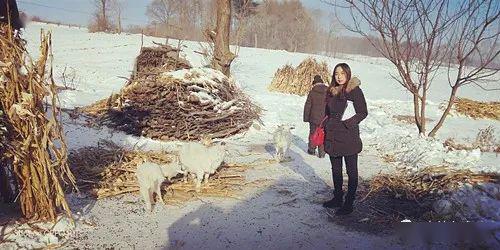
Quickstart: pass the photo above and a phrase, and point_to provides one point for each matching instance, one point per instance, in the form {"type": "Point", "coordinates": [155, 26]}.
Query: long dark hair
{"type": "Point", "coordinates": [345, 67]}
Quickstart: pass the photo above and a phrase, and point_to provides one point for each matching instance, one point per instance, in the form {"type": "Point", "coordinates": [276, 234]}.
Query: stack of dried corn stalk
{"type": "Point", "coordinates": [182, 106]}
{"type": "Point", "coordinates": [427, 182]}
{"type": "Point", "coordinates": [477, 110]}
{"type": "Point", "coordinates": [35, 149]}
{"type": "Point", "coordinates": [109, 170]}
{"type": "Point", "coordinates": [299, 80]}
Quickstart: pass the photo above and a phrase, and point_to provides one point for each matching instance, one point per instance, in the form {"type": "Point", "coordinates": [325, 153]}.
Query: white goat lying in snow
{"type": "Point", "coordinates": [150, 177]}
{"type": "Point", "coordinates": [282, 139]}
{"type": "Point", "coordinates": [201, 160]}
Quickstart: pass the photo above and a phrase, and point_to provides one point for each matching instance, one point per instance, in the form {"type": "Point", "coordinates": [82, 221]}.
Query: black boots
{"type": "Point", "coordinates": [336, 201]}
{"type": "Point", "coordinates": [347, 208]}
{"type": "Point", "coordinates": [311, 151]}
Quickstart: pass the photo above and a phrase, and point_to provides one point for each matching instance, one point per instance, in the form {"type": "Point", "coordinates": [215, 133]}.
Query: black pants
{"type": "Point", "coordinates": [351, 163]}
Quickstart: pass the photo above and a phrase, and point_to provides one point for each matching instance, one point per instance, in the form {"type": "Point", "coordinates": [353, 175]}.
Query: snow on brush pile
{"type": "Point", "coordinates": [181, 105]}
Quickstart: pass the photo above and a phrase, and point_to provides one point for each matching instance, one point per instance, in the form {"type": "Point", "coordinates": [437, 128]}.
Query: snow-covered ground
{"type": "Point", "coordinates": [287, 213]}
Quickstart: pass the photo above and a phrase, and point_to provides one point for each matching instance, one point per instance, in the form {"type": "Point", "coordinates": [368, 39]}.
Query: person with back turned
{"type": "Point", "coordinates": [314, 112]}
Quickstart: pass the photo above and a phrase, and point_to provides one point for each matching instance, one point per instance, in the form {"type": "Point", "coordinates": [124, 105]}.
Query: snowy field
{"type": "Point", "coordinates": [287, 213]}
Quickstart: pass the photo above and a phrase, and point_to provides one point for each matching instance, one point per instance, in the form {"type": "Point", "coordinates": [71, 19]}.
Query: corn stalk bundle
{"type": "Point", "coordinates": [181, 105]}
{"type": "Point", "coordinates": [3, 132]}
{"type": "Point", "coordinates": [299, 80]}
{"type": "Point", "coordinates": [427, 182]}
{"type": "Point", "coordinates": [476, 109]}
{"type": "Point", "coordinates": [35, 149]}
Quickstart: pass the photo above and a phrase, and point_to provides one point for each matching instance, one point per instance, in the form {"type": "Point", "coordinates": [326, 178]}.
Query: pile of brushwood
{"type": "Point", "coordinates": [167, 99]}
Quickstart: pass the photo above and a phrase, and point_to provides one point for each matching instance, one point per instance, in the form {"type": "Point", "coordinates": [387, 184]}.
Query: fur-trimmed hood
{"type": "Point", "coordinates": [353, 83]}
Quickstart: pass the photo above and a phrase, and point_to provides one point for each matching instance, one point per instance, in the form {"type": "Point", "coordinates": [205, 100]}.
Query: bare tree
{"type": "Point", "coordinates": [420, 36]}
{"type": "Point", "coordinates": [220, 37]}
{"type": "Point", "coordinates": [162, 12]}
{"type": "Point", "coordinates": [116, 7]}
{"type": "Point", "coordinates": [177, 18]}
{"type": "Point", "coordinates": [332, 39]}
{"type": "Point", "coordinates": [100, 20]}
{"type": "Point", "coordinates": [243, 9]}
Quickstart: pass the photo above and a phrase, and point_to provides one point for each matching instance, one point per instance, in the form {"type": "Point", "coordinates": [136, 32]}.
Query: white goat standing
{"type": "Point", "coordinates": [282, 139]}
{"type": "Point", "coordinates": [201, 161]}
{"type": "Point", "coordinates": [150, 177]}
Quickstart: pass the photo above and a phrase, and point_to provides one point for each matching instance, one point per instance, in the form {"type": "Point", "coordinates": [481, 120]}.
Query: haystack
{"type": "Point", "coordinates": [34, 149]}
{"type": "Point", "coordinates": [176, 105]}
{"type": "Point", "coordinates": [477, 110]}
{"type": "Point", "coordinates": [299, 80]}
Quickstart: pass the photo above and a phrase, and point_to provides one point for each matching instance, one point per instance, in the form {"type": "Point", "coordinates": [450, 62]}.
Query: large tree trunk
{"type": "Point", "coordinates": [451, 101]}
{"type": "Point", "coordinates": [222, 55]}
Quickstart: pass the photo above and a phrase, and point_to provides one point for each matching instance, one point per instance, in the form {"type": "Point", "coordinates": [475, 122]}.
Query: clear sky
{"type": "Point", "coordinates": [79, 11]}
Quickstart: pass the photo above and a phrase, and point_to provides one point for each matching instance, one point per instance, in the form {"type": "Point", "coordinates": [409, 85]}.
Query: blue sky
{"type": "Point", "coordinates": [79, 11]}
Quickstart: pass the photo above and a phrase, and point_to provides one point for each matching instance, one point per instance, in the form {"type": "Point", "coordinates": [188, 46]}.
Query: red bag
{"type": "Point", "coordinates": [318, 137]}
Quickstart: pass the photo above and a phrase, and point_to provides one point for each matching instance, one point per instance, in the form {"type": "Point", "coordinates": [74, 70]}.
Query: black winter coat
{"type": "Point", "coordinates": [342, 137]}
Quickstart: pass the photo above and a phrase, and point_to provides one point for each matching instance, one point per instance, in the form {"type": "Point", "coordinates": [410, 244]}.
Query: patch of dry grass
{"type": "Point", "coordinates": [109, 170]}
{"type": "Point", "coordinates": [476, 109]}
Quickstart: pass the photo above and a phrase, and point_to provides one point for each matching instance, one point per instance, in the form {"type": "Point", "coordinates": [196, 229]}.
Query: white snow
{"type": "Point", "coordinates": [287, 213]}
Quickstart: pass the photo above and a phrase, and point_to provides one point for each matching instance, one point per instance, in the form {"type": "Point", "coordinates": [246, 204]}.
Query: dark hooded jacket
{"type": "Point", "coordinates": [342, 137]}
{"type": "Point", "coordinates": [314, 109]}
{"type": "Point", "coordinates": [13, 12]}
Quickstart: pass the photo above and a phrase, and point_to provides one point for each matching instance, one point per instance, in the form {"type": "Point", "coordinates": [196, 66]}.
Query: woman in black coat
{"type": "Point", "coordinates": [342, 140]}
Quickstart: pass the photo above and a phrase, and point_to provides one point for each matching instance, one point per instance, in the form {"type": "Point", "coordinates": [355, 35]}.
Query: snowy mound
{"type": "Point", "coordinates": [411, 150]}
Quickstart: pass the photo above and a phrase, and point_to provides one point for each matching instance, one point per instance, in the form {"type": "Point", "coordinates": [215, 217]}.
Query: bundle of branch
{"type": "Point", "coordinates": [109, 170]}
{"type": "Point", "coordinates": [180, 105]}
{"type": "Point", "coordinates": [35, 149]}
{"type": "Point", "coordinates": [299, 80]}
{"type": "Point", "coordinates": [476, 109]}
{"type": "Point", "coordinates": [427, 182]}
{"type": "Point", "coordinates": [154, 60]}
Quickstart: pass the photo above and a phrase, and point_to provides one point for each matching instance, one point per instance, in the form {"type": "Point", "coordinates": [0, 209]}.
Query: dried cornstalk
{"type": "Point", "coordinates": [476, 109]}
{"type": "Point", "coordinates": [35, 150]}
{"type": "Point", "coordinates": [109, 170]}
{"type": "Point", "coordinates": [427, 182]}
{"type": "Point", "coordinates": [299, 80]}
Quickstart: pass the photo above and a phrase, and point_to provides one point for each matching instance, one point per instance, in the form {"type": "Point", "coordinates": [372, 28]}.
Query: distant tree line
{"type": "Point", "coordinates": [270, 24]}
